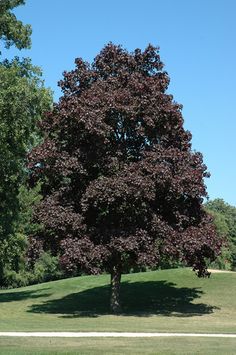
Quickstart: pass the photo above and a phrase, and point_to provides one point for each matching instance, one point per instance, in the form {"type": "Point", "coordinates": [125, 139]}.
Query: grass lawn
{"type": "Point", "coordinates": [98, 346]}
{"type": "Point", "coordinates": [159, 301]}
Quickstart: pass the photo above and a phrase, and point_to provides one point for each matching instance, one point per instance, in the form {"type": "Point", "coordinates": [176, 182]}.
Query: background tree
{"type": "Point", "coordinates": [12, 31]}
{"type": "Point", "coordinates": [120, 182]}
{"type": "Point", "coordinates": [225, 221]}
{"type": "Point", "coordinates": [23, 98]}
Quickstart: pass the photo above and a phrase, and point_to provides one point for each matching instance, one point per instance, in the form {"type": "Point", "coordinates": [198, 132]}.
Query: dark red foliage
{"type": "Point", "coordinates": [120, 182]}
{"type": "Point", "coordinates": [35, 249]}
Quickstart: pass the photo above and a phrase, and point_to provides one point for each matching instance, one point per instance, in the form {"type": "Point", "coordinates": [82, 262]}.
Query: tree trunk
{"type": "Point", "coordinates": [115, 289]}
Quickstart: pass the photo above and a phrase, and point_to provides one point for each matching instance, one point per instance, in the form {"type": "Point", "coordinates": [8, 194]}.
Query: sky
{"type": "Point", "coordinates": [197, 45]}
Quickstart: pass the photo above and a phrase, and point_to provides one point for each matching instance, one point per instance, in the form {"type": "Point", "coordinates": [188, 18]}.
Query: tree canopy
{"type": "Point", "coordinates": [23, 99]}
{"type": "Point", "coordinates": [227, 212]}
{"type": "Point", "coordinates": [12, 30]}
{"type": "Point", "coordinates": [225, 220]}
{"type": "Point", "coordinates": [121, 185]}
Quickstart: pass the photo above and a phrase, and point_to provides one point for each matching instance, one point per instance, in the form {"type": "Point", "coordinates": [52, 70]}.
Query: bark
{"type": "Point", "coordinates": [115, 289]}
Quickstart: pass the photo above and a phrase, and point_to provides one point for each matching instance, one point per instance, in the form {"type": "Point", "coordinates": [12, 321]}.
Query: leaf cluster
{"type": "Point", "coordinates": [12, 30]}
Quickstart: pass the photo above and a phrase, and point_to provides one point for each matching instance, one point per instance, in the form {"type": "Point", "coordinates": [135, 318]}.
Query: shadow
{"type": "Point", "coordinates": [138, 298]}
{"type": "Point", "coordinates": [22, 295]}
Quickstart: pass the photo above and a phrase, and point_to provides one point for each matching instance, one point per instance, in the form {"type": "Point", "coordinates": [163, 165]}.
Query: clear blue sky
{"type": "Point", "coordinates": [197, 40]}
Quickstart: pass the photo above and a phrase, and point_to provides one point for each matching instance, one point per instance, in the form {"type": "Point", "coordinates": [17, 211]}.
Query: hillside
{"type": "Point", "coordinates": [167, 300]}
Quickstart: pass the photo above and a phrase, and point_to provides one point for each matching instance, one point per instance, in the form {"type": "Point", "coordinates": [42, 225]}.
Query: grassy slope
{"type": "Point", "coordinates": [168, 300]}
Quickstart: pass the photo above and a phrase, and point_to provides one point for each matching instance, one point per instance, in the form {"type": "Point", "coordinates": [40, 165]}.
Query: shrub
{"type": "Point", "coordinates": [13, 279]}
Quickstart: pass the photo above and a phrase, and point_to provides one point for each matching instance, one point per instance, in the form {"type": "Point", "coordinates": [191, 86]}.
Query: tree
{"type": "Point", "coordinates": [12, 31]}
{"type": "Point", "coordinates": [23, 99]}
{"type": "Point", "coordinates": [120, 182]}
{"type": "Point", "coordinates": [225, 221]}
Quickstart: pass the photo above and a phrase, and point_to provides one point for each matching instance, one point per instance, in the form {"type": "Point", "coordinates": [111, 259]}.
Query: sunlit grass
{"type": "Point", "coordinates": [166, 301]}
{"type": "Point", "coordinates": [100, 346]}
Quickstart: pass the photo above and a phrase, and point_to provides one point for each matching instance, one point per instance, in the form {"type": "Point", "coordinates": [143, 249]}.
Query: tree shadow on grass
{"type": "Point", "coordinates": [22, 295]}
{"type": "Point", "coordinates": [138, 298]}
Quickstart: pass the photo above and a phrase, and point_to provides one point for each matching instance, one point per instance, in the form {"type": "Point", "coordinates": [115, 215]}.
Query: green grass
{"type": "Point", "coordinates": [98, 346]}
{"type": "Point", "coordinates": [160, 301]}
{"type": "Point", "coordinates": [167, 301]}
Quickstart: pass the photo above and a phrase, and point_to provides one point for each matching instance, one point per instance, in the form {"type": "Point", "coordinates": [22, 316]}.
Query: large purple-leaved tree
{"type": "Point", "coordinates": [121, 184]}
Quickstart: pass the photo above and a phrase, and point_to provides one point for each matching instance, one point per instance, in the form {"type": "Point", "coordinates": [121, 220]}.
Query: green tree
{"type": "Point", "coordinates": [225, 222]}
{"type": "Point", "coordinates": [13, 31]}
{"type": "Point", "coordinates": [23, 99]}
{"type": "Point", "coordinates": [28, 198]}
